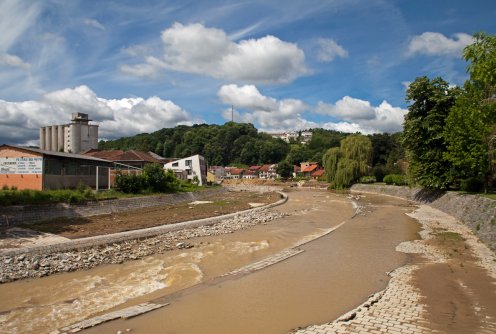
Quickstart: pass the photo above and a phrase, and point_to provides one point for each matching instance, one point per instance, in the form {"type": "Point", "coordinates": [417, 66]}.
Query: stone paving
{"type": "Point", "coordinates": [126, 313]}
{"type": "Point", "coordinates": [398, 309]}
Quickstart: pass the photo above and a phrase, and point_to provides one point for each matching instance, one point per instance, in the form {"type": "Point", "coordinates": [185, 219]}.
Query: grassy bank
{"type": "Point", "coordinates": [73, 196]}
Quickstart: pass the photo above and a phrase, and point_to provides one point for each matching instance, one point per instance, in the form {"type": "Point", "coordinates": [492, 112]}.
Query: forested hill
{"type": "Point", "coordinates": [241, 143]}
{"type": "Point", "coordinates": [219, 144]}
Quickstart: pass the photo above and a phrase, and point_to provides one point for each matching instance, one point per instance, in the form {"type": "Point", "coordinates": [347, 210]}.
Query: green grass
{"type": "Point", "coordinates": [450, 236]}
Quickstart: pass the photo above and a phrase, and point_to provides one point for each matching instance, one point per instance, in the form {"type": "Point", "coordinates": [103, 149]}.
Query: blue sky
{"type": "Point", "coordinates": [139, 66]}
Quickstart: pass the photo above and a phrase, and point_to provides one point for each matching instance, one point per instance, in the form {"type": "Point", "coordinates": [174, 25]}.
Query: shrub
{"type": "Point", "coordinates": [367, 179]}
{"type": "Point", "coordinates": [395, 179]}
{"type": "Point", "coordinates": [472, 184]}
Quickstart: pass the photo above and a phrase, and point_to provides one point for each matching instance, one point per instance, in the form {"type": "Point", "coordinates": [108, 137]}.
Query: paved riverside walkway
{"type": "Point", "coordinates": [401, 307]}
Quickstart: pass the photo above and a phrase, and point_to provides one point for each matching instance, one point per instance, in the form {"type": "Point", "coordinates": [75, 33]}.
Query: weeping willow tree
{"type": "Point", "coordinates": [345, 164]}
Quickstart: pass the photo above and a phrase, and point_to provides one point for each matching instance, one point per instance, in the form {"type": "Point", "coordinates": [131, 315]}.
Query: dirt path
{"type": "Point", "coordinates": [216, 205]}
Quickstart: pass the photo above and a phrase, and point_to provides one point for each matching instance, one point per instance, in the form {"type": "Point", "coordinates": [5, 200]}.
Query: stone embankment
{"type": "Point", "coordinates": [35, 264]}
{"type": "Point", "coordinates": [13, 215]}
{"type": "Point", "coordinates": [478, 213]}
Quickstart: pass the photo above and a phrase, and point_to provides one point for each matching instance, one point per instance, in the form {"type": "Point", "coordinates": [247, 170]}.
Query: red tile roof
{"type": "Point", "coordinates": [236, 171]}
{"type": "Point", "coordinates": [318, 173]}
{"type": "Point", "coordinates": [255, 167]}
{"type": "Point", "coordinates": [264, 168]}
{"type": "Point", "coordinates": [310, 168]}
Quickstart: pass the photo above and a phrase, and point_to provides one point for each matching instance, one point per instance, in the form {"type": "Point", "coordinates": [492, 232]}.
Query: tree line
{"type": "Point", "coordinates": [241, 143]}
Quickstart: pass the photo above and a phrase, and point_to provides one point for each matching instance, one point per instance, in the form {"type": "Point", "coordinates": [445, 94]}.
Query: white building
{"type": "Point", "coordinates": [304, 136]}
{"type": "Point", "coordinates": [76, 137]}
{"type": "Point", "coordinates": [192, 167]}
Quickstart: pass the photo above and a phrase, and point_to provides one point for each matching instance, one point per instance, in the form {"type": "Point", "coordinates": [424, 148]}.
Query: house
{"type": "Point", "coordinates": [192, 168]}
{"type": "Point", "coordinates": [234, 173]}
{"type": "Point", "coordinates": [218, 171]}
{"type": "Point", "coordinates": [267, 172]}
{"type": "Point", "coordinates": [307, 168]}
{"type": "Point", "coordinates": [318, 174]}
{"type": "Point", "coordinates": [30, 168]}
{"type": "Point", "coordinates": [249, 174]}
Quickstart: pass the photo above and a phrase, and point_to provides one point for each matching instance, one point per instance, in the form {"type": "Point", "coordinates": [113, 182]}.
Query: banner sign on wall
{"type": "Point", "coordinates": [21, 165]}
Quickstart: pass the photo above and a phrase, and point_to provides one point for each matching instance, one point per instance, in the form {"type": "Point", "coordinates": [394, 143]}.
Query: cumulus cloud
{"type": "Point", "coordinates": [116, 117]}
{"type": "Point", "coordinates": [359, 115]}
{"type": "Point", "coordinates": [197, 49]}
{"type": "Point", "coordinates": [270, 114]}
{"type": "Point", "coordinates": [436, 44]}
{"type": "Point", "coordinates": [266, 112]}
{"type": "Point", "coordinates": [329, 49]}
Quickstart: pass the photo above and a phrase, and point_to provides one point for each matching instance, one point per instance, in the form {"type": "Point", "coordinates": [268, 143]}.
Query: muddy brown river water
{"type": "Point", "coordinates": [334, 274]}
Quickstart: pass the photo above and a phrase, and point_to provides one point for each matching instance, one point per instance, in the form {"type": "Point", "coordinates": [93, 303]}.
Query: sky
{"type": "Point", "coordinates": [140, 66]}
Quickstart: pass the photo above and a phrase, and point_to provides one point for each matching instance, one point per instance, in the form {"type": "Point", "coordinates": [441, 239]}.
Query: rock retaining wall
{"type": "Point", "coordinates": [478, 213]}
{"type": "Point", "coordinates": [16, 214]}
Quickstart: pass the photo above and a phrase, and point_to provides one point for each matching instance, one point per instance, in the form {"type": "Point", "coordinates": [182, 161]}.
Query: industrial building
{"type": "Point", "coordinates": [75, 137]}
{"type": "Point", "coordinates": [29, 168]}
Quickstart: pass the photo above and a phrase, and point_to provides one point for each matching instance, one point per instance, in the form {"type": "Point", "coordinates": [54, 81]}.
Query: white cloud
{"type": "Point", "coordinates": [13, 61]}
{"type": "Point", "coordinates": [329, 49]}
{"type": "Point", "coordinates": [360, 115]}
{"type": "Point", "coordinates": [269, 114]}
{"type": "Point", "coordinates": [436, 44]}
{"type": "Point", "coordinates": [94, 24]}
{"type": "Point", "coordinates": [116, 117]}
{"type": "Point", "coordinates": [197, 49]}
{"type": "Point", "coordinates": [266, 112]}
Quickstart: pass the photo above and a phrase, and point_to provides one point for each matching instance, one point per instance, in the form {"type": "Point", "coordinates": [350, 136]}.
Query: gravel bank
{"type": "Point", "coordinates": [28, 265]}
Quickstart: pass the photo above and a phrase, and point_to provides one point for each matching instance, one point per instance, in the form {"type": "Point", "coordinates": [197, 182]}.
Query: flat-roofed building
{"type": "Point", "coordinates": [29, 168]}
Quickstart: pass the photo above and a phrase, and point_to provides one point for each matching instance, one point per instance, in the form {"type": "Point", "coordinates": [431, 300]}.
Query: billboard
{"type": "Point", "coordinates": [21, 165]}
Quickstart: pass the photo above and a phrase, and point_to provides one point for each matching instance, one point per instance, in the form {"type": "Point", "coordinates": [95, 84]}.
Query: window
{"type": "Point", "coordinates": [189, 163]}
{"type": "Point", "coordinates": [175, 164]}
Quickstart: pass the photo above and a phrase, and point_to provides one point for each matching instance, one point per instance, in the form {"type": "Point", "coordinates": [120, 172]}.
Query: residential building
{"type": "Point", "coordinates": [318, 174]}
{"type": "Point", "coordinates": [218, 173]}
{"type": "Point", "coordinates": [29, 168]}
{"type": "Point", "coordinates": [307, 168]}
{"type": "Point", "coordinates": [234, 173]}
{"type": "Point", "coordinates": [75, 137]}
{"type": "Point", "coordinates": [193, 167]}
{"type": "Point", "coordinates": [249, 174]}
{"type": "Point", "coordinates": [267, 171]}
{"type": "Point", "coordinates": [303, 136]}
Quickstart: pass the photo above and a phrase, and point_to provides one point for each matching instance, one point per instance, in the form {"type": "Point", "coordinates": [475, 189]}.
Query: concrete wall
{"type": "Point", "coordinates": [14, 215]}
{"type": "Point", "coordinates": [476, 212]}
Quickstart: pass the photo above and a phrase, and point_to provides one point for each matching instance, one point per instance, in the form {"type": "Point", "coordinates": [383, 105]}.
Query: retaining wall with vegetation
{"type": "Point", "coordinates": [478, 213]}
{"type": "Point", "coordinates": [17, 214]}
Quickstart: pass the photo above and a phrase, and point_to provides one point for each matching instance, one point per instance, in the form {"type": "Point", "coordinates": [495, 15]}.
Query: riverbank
{"type": "Point", "coordinates": [478, 213]}
{"type": "Point", "coordinates": [448, 287]}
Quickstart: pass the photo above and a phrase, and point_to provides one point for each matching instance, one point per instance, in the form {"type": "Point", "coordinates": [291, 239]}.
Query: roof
{"type": "Point", "coordinates": [120, 155]}
{"type": "Point", "coordinates": [265, 168]}
{"type": "Point", "coordinates": [236, 171]}
{"type": "Point", "coordinates": [57, 154]}
{"type": "Point", "coordinates": [249, 172]}
{"type": "Point", "coordinates": [310, 168]}
{"type": "Point", "coordinates": [318, 173]}
{"type": "Point", "coordinates": [254, 167]}
{"type": "Point", "coordinates": [296, 168]}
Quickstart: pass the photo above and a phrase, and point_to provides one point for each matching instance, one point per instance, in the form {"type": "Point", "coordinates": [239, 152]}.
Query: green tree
{"type": "Point", "coordinates": [471, 126]}
{"type": "Point", "coordinates": [345, 165]}
{"type": "Point", "coordinates": [284, 169]}
{"type": "Point", "coordinates": [423, 136]}
{"type": "Point", "coordinates": [158, 180]}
